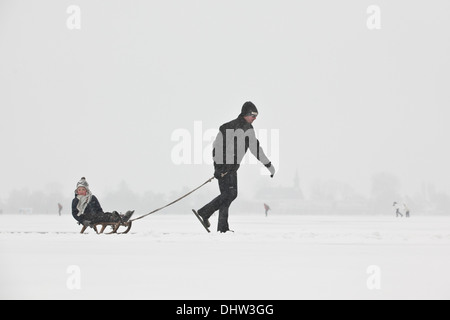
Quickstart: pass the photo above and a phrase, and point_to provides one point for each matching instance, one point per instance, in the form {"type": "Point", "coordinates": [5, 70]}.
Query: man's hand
{"type": "Point", "coordinates": [219, 175]}
{"type": "Point", "coordinates": [271, 169]}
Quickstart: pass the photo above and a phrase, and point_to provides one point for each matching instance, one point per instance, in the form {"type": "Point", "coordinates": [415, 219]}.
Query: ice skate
{"type": "Point", "coordinates": [205, 222]}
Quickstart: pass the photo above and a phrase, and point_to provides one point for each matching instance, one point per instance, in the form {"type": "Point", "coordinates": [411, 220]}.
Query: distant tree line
{"type": "Point", "coordinates": [329, 197]}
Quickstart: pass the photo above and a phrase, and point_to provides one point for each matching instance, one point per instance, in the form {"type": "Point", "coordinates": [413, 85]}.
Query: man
{"type": "Point", "coordinates": [231, 144]}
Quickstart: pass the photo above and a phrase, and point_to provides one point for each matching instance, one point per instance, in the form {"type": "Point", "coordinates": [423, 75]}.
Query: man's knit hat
{"type": "Point", "coordinates": [249, 109]}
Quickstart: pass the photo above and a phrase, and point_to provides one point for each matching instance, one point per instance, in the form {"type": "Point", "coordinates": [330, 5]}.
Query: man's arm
{"type": "Point", "coordinates": [256, 149]}
{"type": "Point", "coordinates": [258, 152]}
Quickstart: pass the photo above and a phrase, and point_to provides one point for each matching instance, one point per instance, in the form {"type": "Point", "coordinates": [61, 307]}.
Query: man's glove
{"type": "Point", "coordinates": [271, 169]}
{"type": "Point", "coordinates": [219, 175]}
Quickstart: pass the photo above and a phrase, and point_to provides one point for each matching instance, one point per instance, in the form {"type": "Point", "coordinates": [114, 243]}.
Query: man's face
{"type": "Point", "coordinates": [250, 118]}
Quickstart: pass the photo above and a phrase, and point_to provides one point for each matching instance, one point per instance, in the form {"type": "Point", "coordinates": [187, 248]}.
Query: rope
{"type": "Point", "coordinates": [167, 205]}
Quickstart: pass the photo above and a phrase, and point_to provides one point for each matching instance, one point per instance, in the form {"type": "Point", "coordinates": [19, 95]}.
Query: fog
{"type": "Point", "coordinates": [103, 91]}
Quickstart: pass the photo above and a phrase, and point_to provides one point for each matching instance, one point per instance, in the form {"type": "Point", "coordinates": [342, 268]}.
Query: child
{"type": "Point", "coordinates": [86, 208]}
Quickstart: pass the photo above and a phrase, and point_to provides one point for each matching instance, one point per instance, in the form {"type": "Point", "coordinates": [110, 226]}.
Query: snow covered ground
{"type": "Point", "coordinates": [279, 257]}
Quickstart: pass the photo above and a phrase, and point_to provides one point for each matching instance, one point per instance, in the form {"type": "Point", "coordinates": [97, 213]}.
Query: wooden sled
{"type": "Point", "coordinates": [114, 226]}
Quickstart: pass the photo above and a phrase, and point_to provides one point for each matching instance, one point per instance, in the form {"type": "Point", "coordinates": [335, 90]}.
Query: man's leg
{"type": "Point", "coordinates": [228, 192]}
{"type": "Point", "coordinates": [210, 208]}
{"type": "Point", "coordinates": [228, 189]}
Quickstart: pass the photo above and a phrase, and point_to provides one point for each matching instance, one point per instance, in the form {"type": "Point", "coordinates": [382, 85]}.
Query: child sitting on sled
{"type": "Point", "coordinates": [86, 208]}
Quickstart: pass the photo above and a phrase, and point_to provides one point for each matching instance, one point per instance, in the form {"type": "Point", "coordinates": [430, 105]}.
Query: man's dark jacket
{"type": "Point", "coordinates": [231, 144]}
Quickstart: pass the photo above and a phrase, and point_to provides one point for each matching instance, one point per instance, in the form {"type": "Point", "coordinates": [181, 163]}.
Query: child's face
{"type": "Point", "coordinates": [81, 191]}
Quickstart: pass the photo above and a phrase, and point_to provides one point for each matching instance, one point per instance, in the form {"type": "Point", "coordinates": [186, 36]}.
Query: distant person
{"type": "Point", "coordinates": [86, 208]}
{"type": "Point", "coordinates": [407, 214]}
{"type": "Point", "coordinates": [231, 144]}
{"type": "Point", "coordinates": [266, 208]}
{"type": "Point", "coordinates": [60, 207]}
{"type": "Point", "coordinates": [397, 210]}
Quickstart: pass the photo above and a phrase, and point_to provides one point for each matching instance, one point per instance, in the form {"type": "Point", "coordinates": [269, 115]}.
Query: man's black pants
{"type": "Point", "coordinates": [228, 193]}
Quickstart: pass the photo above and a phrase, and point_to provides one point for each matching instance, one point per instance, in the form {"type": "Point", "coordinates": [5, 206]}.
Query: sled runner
{"type": "Point", "coordinates": [114, 226]}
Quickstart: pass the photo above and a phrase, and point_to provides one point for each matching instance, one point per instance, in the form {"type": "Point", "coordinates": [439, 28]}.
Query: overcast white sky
{"type": "Point", "coordinates": [103, 101]}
